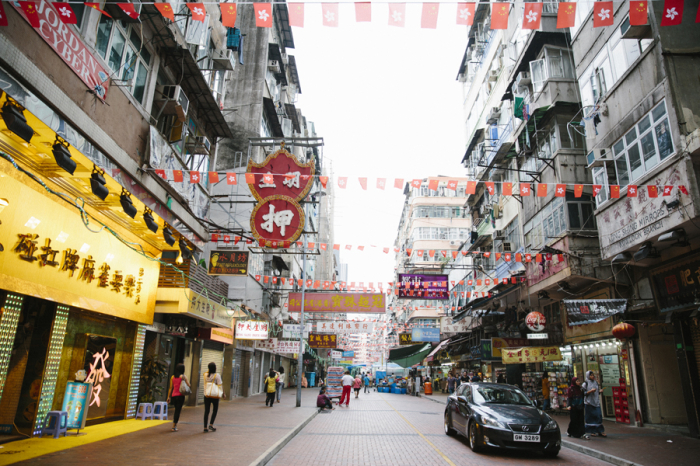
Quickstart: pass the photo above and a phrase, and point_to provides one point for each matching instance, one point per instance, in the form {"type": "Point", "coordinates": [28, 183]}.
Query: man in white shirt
{"type": "Point", "coordinates": [347, 382]}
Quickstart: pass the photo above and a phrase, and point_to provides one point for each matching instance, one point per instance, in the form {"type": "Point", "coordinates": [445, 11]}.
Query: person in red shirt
{"type": "Point", "coordinates": [357, 384]}
{"type": "Point", "coordinates": [323, 402]}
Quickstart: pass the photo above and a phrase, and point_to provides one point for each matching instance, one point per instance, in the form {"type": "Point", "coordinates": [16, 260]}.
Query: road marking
{"type": "Point", "coordinates": [447, 460]}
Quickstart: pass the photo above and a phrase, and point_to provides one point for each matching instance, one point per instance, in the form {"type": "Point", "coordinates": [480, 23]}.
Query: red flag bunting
{"type": "Point", "coordinates": [499, 15]}
{"type": "Point", "coordinates": [96, 6]}
{"type": "Point", "coordinates": [296, 14]}
{"type": "Point", "coordinates": [638, 13]}
{"type": "Point", "coordinates": [433, 185]}
{"type": "Point", "coordinates": [177, 176]}
{"type": "Point", "coordinates": [65, 12]}
{"type": "Point", "coordinates": [632, 190]}
{"type": "Point", "coordinates": [596, 189]}
{"type": "Point", "coordinates": [323, 180]}
{"type": "Point", "coordinates": [668, 190]}
{"type": "Point", "coordinates": [228, 14]}
{"type": "Point", "coordinates": [398, 183]}
{"type": "Point", "coordinates": [213, 177]}
{"type": "Point", "coordinates": [429, 16]}
{"type": "Point", "coordinates": [330, 14]}
{"type": "Point", "coordinates": [471, 187]}
{"type": "Point", "coordinates": [566, 17]}
{"type": "Point", "coordinates": [653, 191]}
{"type": "Point", "coordinates": [30, 12]}
{"type": "Point", "coordinates": [342, 182]}
{"type": "Point", "coordinates": [683, 189]}
{"type": "Point", "coordinates": [578, 190]}
{"type": "Point", "coordinates": [541, 187]}
{"type": "Point", "coordinates": [3, 16]}
{"type": "Point", "coordinates": [524, 189]}
{"type": "Point", "coordinates": [397, 14]}
{"type": "Point", "coordinates": [167, 11]}
{"type": "Point", "coordinates": [615, 191]}
{"type": "Point", "coordinates": [159, 172]}
{"type": "Point", "coordinates": [490, 187]}
{"type": "Point", "coordinates": [507, 189]}
{"type": "Point", "coordinates": [231, 179]}
{"type": "Point", "coordinates": [128, 9]}
{"type": "Point", "coordinates": [532, 15]}
{"type": "Point", "coordinates": [465, 13]}
{"type": "Point", "coordinates": [381, 183]}
{"type": "Point", "coordinates": [560, 190]}
{"type": "Point", "coordinates": [416, 183]}
{"type": "Point", "coordinates": [250, 178]}
{"type": "Point", "coordinates": [263, 15]}
{"type": "Point", "coordinates": [363, 12]}
{"type": "Point", "coordinates": [363, 182]}
{"type": "Point", "coordinates": [673, 13]}
{"type": "Point", "coordinates": [602, 14]}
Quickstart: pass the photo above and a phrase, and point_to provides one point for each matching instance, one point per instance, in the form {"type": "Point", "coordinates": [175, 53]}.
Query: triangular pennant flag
{"type": "Point", "coordinates": [499, 15]}
{"type": "Point", "coordinates": [65, 12]}
{"type": "Point", "coordinates": [263, 15]}
{"type": "Point", "coordinates": [566, 17]}
{"type": "Point", "coordinates": [167, 11]}
{"type": "Point", "coordinates": [397, 14]}
{"type": "Point", "coordinates": [638, 13]}
{"type": "Point", "coordinates": [30, 12]}
{"type": "Point", "coordinates": [323, 180]}
{"type": "Point", "coordinates": [603, 14]}
{"type": "Point", "coordinates": [672, 13]}
{"type": "Point", "coordinates": [96, 6]}
{"type": "Point", "coordinates": [129, 10]}
{"type": "Point", "coordinates": [231, 178]}
{"type": "Point", "coordinates": [228, 14]}
{"type": "Point", "coordinates": [330, 14]}
{"type": "Point", "coordinates": [296, 14]}
{"type": "Point", "coordinates": [213, 177]}
{"type": "Point", "coordinates": [429, 16]}
{"type": "Point", "coordinates": [532, 15]}
{"type": "Point", "coordinates": [465, 14]}
{"type": "Point", "coordinates": [363, 182]}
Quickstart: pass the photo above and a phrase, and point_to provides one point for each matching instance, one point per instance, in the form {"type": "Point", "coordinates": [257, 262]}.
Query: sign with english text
{"type": "Point", "coordinates": [252, 330]}
{"type": "Point", "coordinates": [425, 334]}
{"type": "Point", "coordinates": [233, 263]}
{"type": "Point", "coordinates": [269, 345]}
{"type": "Point", "coordinates": [344, 327]}
{"type": "Point", "coordinates": [293, 330]}
{"type": "Point", "coordinates": [284, 346]}
{"type": "Point", "coordinates": [323, 340]}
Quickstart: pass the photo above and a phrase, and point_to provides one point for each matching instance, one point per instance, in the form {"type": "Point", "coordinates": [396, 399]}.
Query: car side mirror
{"type": "Point", "coordinates": [462, 399]}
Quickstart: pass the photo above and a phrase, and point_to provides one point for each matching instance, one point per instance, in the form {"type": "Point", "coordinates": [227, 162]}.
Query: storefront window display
{"type": "Point", "coordinates": [559, 374]}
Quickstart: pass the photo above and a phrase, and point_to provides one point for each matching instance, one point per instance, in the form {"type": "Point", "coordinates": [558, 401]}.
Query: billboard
{"type": "Point", "coordinates": [339, 302]}
{"type": "Point", "coordinates": [419, 286]}
{"type": "Point", "coordinates": [228, 263]}
{"type": "Point", "coordinates": [425, 334]}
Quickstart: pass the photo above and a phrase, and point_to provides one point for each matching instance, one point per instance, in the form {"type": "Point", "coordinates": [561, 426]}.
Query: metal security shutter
{"type": "Point", "coordinates": [255, 381]}
{"type": "Point", "coordinates": [211, 353]}
{"type": "Point", "coordinates": [237, 378]}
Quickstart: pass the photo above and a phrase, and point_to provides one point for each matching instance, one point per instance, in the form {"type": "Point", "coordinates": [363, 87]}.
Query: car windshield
{"type": "Point", "coordinates": [500, 395]}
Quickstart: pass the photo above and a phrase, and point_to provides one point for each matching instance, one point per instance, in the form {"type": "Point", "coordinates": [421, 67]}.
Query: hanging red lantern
{"type": "Point", "coordinates": [623, 330]}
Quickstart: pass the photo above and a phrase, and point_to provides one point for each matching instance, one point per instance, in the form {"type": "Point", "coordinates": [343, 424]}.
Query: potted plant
{"type": "Point", "coordinates": [152, 373]}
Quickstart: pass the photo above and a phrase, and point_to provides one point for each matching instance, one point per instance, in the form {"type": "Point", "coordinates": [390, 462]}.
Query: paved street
{"type": "Point", "coordinates": [387, 429]}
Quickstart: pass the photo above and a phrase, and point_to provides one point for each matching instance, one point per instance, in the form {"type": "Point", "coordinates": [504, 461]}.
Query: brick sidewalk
{"type": "Point", "coordinates": [246, 428]}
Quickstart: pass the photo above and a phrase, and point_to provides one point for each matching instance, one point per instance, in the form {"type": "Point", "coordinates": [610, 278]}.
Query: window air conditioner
{"type": "Point", "coordinates": [499, 234]}
{"type": "Point", "coordinates": [522, 79]}
{"type": "Point", "coordinates": [176, 102]}
{"type": "Point", "coordinates": [493, 75]}
{"type": "Point", "coordinates": [494, 114]}
{"type": "Point", "coordinates": [224, 58]}
{"type": "Point", "coordinates": [596, 158]}
{"type": "Point", "coordinates": [274, 66]}
{"type": "Point", "coordinates": [454, 243]}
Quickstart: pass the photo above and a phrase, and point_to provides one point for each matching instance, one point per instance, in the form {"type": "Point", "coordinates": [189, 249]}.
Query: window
{"type": "Point", "coordinates": [550, 222]}
{"type": "Point", "coordinates": [600, 177]}
{"type": "Point", "coordinates": [580, 212]}
{"type": "Point", "coordinates": [554, 63]}
{"type": "Point", "coordinates": [512, 233]}
{"type": "Point", "coordinates": [552, 314]}
{"type": "Point", "coordinates": [121, 45]}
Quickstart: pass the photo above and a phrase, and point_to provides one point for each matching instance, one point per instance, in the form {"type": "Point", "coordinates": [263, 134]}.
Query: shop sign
{"type": "Point", "coordinates": [245, 345]}
{"type": "Point", "coordinates": [293, 330]}
{"type": "Point", "coordinates": [624, 354]}
{"type": "Point", "coordinates": [75, 403]}
{"type": "Point", "coordinates": [251, 330]}
{"type": "Point", "coordinates": [418, 286]}
{"type": "Point", "coordinates": [590, 311]}
{"type": "Point", "coordinates": [284, 346]}
{"type": "Point", "coordinates": [405, 339]}
{"type": "Point", "coordinates": [50, 254]}
{"type": "Point", "coordinates": [537, 336]}
{"type": "Point", "coordinates": [323, 341]}
{"type": "Point", "coordinates": [677, 286]}
{"type": "Point", "coordinates": [344, 327]}
{"type": "Point", "coordinates": [425, 334]}
{"type": "Point", "coordinates": [530, 354]}
{"type": "Point", "coordinates": [447, 326]}
{"type": "Point", "coordinates": [222, 335]}
{"type": "Point", "coordinates": [207, 309]}
{"type": "Point", "coordinates": [348, 354]}
{"type": "Point", "coordinates": [339, 302]}
{"type": "Point", "coordinates": [535, 321]}
{"type": "Point", "coordinates": [269, 345]}
{"type": "Point", "coordinates": [486, 349]}
{"type": "Point", "coordinates": [498, 343]}
{"type": "Point", "coordinates": [234, 263]}
{"type": "Point", "coordinates": [156, 327]}
{"type": "Point", "coordinates": [68, 45]}
{"type": "Point", "coordinates": [99, 360]}
{"type": "Point", "coordinates": [336, 354]}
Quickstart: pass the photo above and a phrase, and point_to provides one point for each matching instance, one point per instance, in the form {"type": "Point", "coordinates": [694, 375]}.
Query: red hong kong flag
{"type": "Point", "coordinates": [296, 14]}
{"type": "Point", "coordinates": [602, 14]}
{"type": "Point", "coordinates": [330, 14]}
{"type": "Point", "coordinates": [566, 17]}
{"type": "Point", "coordinates": [228, 14]}
{"type": "Point", "coordinates": [268, 178]}
{"type": "Point", "coordinates": [231, 178]}
{"type": "Point", "coordinates": [638, 13]}
{"type": "Point", "coordinates": [381, 183]}
{"type": "Point", "coordinates": [541, 187]}
{"type": "Point", "coordinates": [177, 176]}
{"type": "Point", "coordinates": [429, 16]}
{"type": "Point", "coordinates": [167, 11]}
{"type": "Point", "coordinates": [490, 187]}
{"type": "Point", "coordinates": [198, 11]}
{"type": "Point", "coordinates": [160, 173]}
{"type": "Point", "coordinates": [363, 12]}
{"type": "Point", "coordinates": [560, 190]}
{"type": "Point", "coordinates": [363, 182]}
{"type": "Point", "coordinates": [668, 190]}
{"type": "Point", "coordinates": [465, 14]}
{"type": "Point", "coordinates": [596, 189]}
{"type": "Point", "coordinates": [128, 9]}
{"type": "Point", "coordinates": [397, 14]}
{"type": "Point", "coordinates": [578, 190]}
{"type": "Point", "coordinates": [343, 182]}
{"type": "Point", "coordinates": [524, 189]}
{"type": "Point", "coordinates": [532, 15]}
{"type": "Point", "coordinates": [263, 15]}
{"type": "Point", "coordinates": [30, 12]}
{"type": "Point", "coordinates": [213, 177]}
{"type": "Point", "coordinates": [65, 12]}
{"type": "Point", "coordinates": [673, 13]}
{"type": "Point", "coordinates": [499, 15]}
{"type": "Point", "coordinates": [452, 184]}
{"type": "Point", "coordinates": [508, 189]}
{"type": "Point", "coordinates": [398, 183]}
{"type": "Point", "coordinates": [416, 183]}
{"type": "Point", "coordinates": [632, 190]}
{"type": "Point", "coordinates": [194, 177]}
{"type": "Point", "coordinates": [3, 17]}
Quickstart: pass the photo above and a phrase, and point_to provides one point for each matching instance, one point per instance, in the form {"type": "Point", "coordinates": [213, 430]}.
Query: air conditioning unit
{"type": "Point", "coordinates": [176, 102]}
{"type": "Point", "coordinates": [454, 243]}
{"type": "Point", "coordinates": [198, 145]}
{"type": "Point", "coordinates": [493, 75]}
{"type": "Point", "coordinates": [494, 115]}
{"type": "Point", "coordinates": [522, 79]}
{"type": "Point", "coordinates": [596, 158]}
{"type": "Point", "coordinates": [224, 58]}
{"type": "Point", "coordinates": [499, 234]}
{"type": "Point", "coordinates": [274, 66]}
{"type": "Point", "coordinates": [507, 247]}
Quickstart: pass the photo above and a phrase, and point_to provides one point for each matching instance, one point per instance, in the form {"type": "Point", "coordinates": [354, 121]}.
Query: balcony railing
{"type": "Point", "coordinates": [196, 278]}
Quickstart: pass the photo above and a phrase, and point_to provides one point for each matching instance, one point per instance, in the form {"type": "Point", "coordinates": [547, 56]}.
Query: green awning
{"type": "Point", "coordinates": [410, 355]}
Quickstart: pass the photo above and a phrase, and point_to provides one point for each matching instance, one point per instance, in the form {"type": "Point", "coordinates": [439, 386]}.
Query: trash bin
{"type": "Point", "coordinates": [428, 388]}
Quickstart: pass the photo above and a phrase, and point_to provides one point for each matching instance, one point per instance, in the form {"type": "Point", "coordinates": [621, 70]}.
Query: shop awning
{"type": "Point", "coordinates": [590, 311]}
{"type": "Point", "coordinates": [437, 349]}
{"type": "Point", "coordinates": [480, 303]}
{"type": "Point", "coordinates": [410, 355]}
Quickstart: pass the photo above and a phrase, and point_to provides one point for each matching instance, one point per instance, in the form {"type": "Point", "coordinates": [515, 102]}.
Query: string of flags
{"type": "Point", "coordinates": [464, 16]}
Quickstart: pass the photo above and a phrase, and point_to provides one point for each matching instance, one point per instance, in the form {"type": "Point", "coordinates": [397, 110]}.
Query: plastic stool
{"type": "Point", "coordinates": [60, 424]}
{"type": "Point", "coordinates": [160, 410]}
{"type": "Point", "coordinates": [145, 410]}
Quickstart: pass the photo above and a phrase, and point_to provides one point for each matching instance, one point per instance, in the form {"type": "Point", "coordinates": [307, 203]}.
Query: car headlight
{"type": "Point", "coordinates": [490, 422]}
{"type": "Point", "coordinates": [551, 425]}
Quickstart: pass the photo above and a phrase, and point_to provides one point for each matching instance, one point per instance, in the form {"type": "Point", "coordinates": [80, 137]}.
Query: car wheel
{"type": "Point", "coordinates": [448, 425]}
{"type": "Point", "coordinates": [550, 453]}
{"type": "Point", "coordinates": [474, 440]}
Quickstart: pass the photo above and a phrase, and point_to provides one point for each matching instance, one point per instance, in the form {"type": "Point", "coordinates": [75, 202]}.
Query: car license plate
{"type": "Point", "coordinates": [526, 438]}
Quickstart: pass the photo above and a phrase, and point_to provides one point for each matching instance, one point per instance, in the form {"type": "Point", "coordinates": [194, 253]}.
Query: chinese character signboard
{"type": "Point", "coordinates": [425, 334]}
{"type": "Point", "coordinates": [284, 346]}
{"type": "Point", "coordinates": [336, 354]}
{"type": "Point", "coordinates": [75, 403]}
{"type": "Point", "coordinates": [344, 327]}
{"type": "Point", "coordinates": [405, 339]}
{"type": "Point", "coordinates": [317, 340]}
{"type": "Point", "coordinates": [447, 326]}
{"type": "Point", "coordinates": [228, 263]}
{"type": "Point", "coordinates": [530, 354]}
{"type": "Point", "coordinates": [677, 286]}
{"type": "Point", "coordinates": [251, 330]}
{"type": "Point", "coordinates": [338, 302]}
{"type": "Point", "coordinates": [223, 335]}
{"type": "Point", "coordinates": [419, 286]}
{"type": "Point", "coordinates": [99, 361]}
{"type": "Point", "coordinates": [269, 345]}
{"type": "Point", "coordinates": [279, 183]}
{"type": "Point", "coordinates": [590, 311]}
{"type": "Point", "coordinates": [497, 344]}
{"type": "Point", "coordinates": [293, 330]}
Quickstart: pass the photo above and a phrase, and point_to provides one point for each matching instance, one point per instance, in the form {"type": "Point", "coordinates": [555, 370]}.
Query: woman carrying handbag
{"type": "Point", "coordinates": [213, 390]}
{"type": "Point", "coordinates": [179, 387]}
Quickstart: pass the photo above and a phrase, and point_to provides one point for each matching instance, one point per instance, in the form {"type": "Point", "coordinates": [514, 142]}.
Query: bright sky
{"type": "Point", "coordinates": [386, 101]}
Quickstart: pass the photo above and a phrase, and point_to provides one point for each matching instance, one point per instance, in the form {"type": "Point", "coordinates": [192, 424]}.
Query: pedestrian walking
{"type": "Point", "coordinates": [451, 384]}
{"type": "Point", "coordinates": [366, 383]}
{"type": "Point", "coordinates": [323, 401]}
{"type": "Point", "coordinates": [270, 385]}
{"type": "Point", "coordinates": [179, 387]}
{"type": "Point", "coordinates": [576, 428]}
{"type": "Point", "coordinates": [213, 390]}
{"type": "Point", "coordinates": [357, 384]}
{"type": "Point", "coordinates": [464, 378]}
{"type": "Point", "coordinates": [591, 400]}
{"type": "Point", "coordinates": [347, 382]}
{"type": "Point", "coordinates": [476, 378]}
{"type": "Point", "coordinates": [280, 383]}
{"type": "Point", "coordinates": [545, 390]}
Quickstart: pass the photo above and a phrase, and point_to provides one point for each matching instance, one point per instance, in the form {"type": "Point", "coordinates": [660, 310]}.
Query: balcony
{"type": "Point", "coordinates": [196, 278]}
{"type": "Point", "coordinates": [485, 228]}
